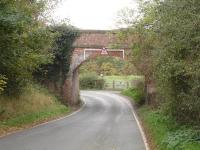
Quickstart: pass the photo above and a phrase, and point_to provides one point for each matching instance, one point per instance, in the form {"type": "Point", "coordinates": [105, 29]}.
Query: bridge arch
{"type": "Point", "coordinates": [90, 44]}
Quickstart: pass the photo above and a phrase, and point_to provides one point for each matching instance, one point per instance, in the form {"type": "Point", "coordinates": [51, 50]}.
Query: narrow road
{"type": "Point", "coordinates": [105, 122]}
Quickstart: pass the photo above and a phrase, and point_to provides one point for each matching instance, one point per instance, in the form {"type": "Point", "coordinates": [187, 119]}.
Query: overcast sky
{"type": "Point", "coordinates": [92, 14]}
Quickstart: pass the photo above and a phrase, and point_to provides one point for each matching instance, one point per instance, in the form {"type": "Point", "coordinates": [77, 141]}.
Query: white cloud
{"type": "Point", "coordinates": [91, 14]}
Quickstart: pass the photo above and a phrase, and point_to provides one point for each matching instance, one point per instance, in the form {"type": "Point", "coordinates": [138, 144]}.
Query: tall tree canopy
{"type": "Point", "coordinates": [178, 57]}
{"type": "Point", "coordinates": [62, 49]}
{"type": "Point", "coordinates": [166, 48]}
{"type": "Point", "coordinates": [24, 41]}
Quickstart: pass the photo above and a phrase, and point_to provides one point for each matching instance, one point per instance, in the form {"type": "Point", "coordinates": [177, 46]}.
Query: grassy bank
{"type": "Point", "coordinates": [162, 131]}
{"type": "Point", "coordinates": [35, 105]}
{"type": "Point", "coordinates": [165, 134]}
{"type": "Point", "coordinates": [135, 94]}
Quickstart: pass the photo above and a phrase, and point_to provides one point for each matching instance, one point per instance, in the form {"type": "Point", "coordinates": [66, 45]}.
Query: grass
{"type": "Point", "coordinates": [162, 131]}
{"type": "Point", "coordinates": [120, 82]}
{"type": "Point", "coordinates": [135, 94]}
{"type": "Point", "coordinates": [34, 106]}
{"type": "Point", "coordinates": [165, 134]}
{"type": "Point", "coordinates": [34, 117]}
{"type": "Point", "coordinates": [122, 78]}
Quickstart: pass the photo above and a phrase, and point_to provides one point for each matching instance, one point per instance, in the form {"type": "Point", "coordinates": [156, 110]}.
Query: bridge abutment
{"type": "Point", "coordinates": [71, 89]}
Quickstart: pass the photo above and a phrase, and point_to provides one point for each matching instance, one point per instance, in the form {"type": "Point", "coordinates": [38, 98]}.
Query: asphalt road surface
{"type": "Point", "coordinates": [105, 122]}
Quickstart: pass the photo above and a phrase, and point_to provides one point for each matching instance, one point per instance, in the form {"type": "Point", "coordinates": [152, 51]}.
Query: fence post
{"type": "Point", "coordinates": [113, 84]}
{"type": "Point", "coordinates": [127, 85]}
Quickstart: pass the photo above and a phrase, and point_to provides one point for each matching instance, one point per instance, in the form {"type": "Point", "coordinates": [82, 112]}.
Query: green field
{"type": "Point", "coordinates": [120, 82]}
{"type": "Point", "coordinates": [122, 78]}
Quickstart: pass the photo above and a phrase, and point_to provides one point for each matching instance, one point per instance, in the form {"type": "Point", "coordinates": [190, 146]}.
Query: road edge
{"type": "Point", "coordinates": [51, 121]}
{"type": "Point", "coordinates": [144, 138]}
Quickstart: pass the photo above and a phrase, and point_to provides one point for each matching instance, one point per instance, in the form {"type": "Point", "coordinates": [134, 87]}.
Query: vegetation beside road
{"type": "Point", "coordinates": [33, 50]}
{"type": "Point", "coordinates": [164, 133]}
{"type": "Point", "coordinates": [91, 81]}
{"type": "Point", "coordinates": [165, 49]}
{"type": "Point", "coordinates": [136, 94]}
{"type": "Point", "coordinates": [35, 105]}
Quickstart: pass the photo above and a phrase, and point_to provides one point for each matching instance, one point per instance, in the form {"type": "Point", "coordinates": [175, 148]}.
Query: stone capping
{"type": "Point", "coordinates": [90, 31]}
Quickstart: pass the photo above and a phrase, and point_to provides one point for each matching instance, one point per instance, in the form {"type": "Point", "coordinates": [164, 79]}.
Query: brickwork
{"type": "Point", "coordinates": [94, 39]}
{"type": "Point", "coordinates": [88, 45]}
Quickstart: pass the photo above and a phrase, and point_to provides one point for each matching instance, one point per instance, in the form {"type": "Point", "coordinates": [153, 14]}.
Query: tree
{"type": "Point", "coordinates": [2, 83]}
{"type": "Point", "coordinates": [108, 66]}
{"type": "Point", "coordinates": [167, 37]}
{"type": "Point", "coordinates": [178, 58]}
{"type": "Point", "coordinates": [141, 36]}
{"type": "Point", "coordinates": [56, 72]}
{"type": "Point", "coordinates": [24, 41]}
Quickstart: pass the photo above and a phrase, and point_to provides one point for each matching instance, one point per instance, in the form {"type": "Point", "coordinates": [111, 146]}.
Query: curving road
{"type": "Point", "coordinates": [105, 122]}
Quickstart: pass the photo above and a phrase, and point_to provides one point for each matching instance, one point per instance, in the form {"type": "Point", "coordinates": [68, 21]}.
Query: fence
{"type": "Point", "coordinates": [119, 85]}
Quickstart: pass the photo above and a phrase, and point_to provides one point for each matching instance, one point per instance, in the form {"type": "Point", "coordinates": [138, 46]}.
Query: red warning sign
{"type": "Point", "coordinates": [104, 51]}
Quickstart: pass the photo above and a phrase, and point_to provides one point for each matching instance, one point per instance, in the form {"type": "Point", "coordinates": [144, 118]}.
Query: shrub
{"type": "Point", "coordinates": [2, 83]}
{"type": "Point", "coordinates": [177, 60]}
{"type": "Point", "coordinates": [136, 93]}
{"type": "Point", "coordinates": [62, 48]}
{"type": "Point", "coordinates": [91, 81]}
{"type": "Point", "coordinates": [24, 42]}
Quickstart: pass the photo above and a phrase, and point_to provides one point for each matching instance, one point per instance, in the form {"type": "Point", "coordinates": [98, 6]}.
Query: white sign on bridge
{"type": "Point", "coordinates": [104, 51]}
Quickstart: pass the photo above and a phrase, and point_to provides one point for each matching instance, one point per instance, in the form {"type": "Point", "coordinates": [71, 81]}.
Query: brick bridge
{"type": "Point", "coordinates": [90, 45]}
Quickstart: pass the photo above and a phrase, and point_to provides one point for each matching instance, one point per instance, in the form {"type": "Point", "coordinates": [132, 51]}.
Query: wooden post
{"type": "Point", "coordinates": [113, 84]}
{"type": "Point", "coordinates": [127, 84]}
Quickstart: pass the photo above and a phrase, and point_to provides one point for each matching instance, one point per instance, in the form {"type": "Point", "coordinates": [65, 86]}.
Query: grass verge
{"type": "Point", "coordinates": [34, 106]}
{"type": "Point", "coordinates": [164, 133]}
{"type": "Point", "coordinates": [135, 94]}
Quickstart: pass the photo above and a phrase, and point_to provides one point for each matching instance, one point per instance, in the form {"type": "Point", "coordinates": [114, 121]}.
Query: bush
{"type": "Point", "coordinates": [166, 134]}
{"type": "Point", "coordinates": [2, 83]}
{"type": "Point", "coordinates": [62, 48]}
{"type": "Point", "coordinates": [177, 60]}
{"type": "Point", "coordinates": [91, 81]}
{"type": "Point", "coordinates": [24, 42]}
{"type": "Point", "coordinates": [136, 93]}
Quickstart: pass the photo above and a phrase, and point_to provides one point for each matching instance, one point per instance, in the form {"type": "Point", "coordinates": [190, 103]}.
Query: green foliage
{"type": "Point", "coordinates": [62, 50]}
{"type": "Point", "coordinates": [108, 69]}
{"type": "Point", "coordinates": [136, 93]}
{"type": "Point", "coordinates": [140, 36]}
{"type": "Point", "coordinates": [181, 138]}
{"type": "Point", "coordinates": [178, 58]}
{"type": "Point", "coordinates": [2, 83]}
{"type": "Point", "coordinates": [166, 133]}
{"type": "Point", "coordinates": [24, 41]}
{"type": "Point", "coordinates": [91, 81]}
{"type": "Point", "coordinates": [35, 104]}
{"type": "Point", "coordinates": [165, 43]}
{"type": "Point", "coordinates": [108, 66]}
{"type": "Point", "coordinates": [34, 98]}
{"type": "Point", "coordinates": [33, 117]}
